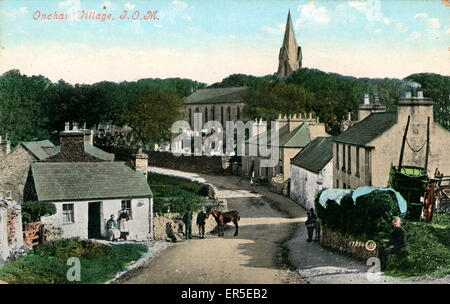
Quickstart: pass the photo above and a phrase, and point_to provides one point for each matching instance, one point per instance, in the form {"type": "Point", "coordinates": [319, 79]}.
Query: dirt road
{"type": "Point", "coordinates": [256, 255]}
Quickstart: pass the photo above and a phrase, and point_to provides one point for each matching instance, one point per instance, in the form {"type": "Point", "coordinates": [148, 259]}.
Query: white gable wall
{"type": "Point", "coordinates": [304, 184]}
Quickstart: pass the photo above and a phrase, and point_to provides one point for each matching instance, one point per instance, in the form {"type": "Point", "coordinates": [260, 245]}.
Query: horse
{"type": "Point", "coordinates": [223, 218]}
{"type": "Point", "coordinates": [202, 217]}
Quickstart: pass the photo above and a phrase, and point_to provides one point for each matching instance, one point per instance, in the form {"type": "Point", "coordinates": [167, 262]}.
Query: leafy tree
{"type": "Point", "coordinates": [436, 87]}
{"type": "Point", "coordinates": [151, 115]}
{"type": "Point", "coordinates": [33, 211]}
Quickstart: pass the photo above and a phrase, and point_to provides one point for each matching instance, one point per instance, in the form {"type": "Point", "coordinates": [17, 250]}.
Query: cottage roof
{"type": "Point", "coordinates": [42, 149]}
{"type": "Point", "coordinates": [87, 181]}
{"type": "Point", "coordinates": [297, 138]}
{"type": "Point", "coordinates": [315, 156]}
{"type": "Point", "coordinates": [218, 95]}
{"type": "Point", "coordinates": [367, 129]}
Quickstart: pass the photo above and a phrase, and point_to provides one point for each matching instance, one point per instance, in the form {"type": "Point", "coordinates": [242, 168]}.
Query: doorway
{"type": "Point", "coordinates": [94, 229]}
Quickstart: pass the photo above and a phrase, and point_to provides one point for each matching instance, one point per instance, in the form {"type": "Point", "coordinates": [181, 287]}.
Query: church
{"type": "Point", "coordinates": [290, 57]}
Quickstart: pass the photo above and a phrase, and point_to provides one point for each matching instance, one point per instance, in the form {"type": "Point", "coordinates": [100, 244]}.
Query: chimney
{"type": "Point", "coordinates": [418, 108]}
{"type": "Point", "coordinates": [5, 147]}
{"type": "Point", "coordinates": [368, 108]}
{"type": "Point", "coordinates": [72, 142]}
{"type": "Point", "coordinates": [141, 163]}
{"type": "Point", "coordinates": [366, 99]}
{"type": "Point", "coordinates": [89, 137]}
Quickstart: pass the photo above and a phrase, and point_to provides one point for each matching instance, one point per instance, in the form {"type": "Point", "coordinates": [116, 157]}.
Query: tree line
{"type": "Point", "coordinates": [34, 108]}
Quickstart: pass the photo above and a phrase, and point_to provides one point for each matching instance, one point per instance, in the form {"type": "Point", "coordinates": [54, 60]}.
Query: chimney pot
{"type": "Point", "coordinates": [67, 126]}
{"type": "Point", "coordinates": [408, 94]}
{"type": "Point", "coordinates": [419, 94]}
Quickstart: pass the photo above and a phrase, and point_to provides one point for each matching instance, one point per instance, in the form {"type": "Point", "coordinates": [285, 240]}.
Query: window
{"type": "Point", "coordinates": [343, 157]}
{"type": "Point", "coordinates": [344, 186]}
{"type": "Point", "coordinates": [337, 156]}
{"type": "Point", "coordinates": [213, 113]}
{"type": "Point", "coordinates": [206, 114]}
{"type": "Point", "coordinates": [337, 183]}
{"type": "Point", "coordinates": [126, 205]}
{"type": "Point", "coordinates": [357, 161]}
{"type": "Point", "coordinates": [68, 214]}
{"type": "Point", "coordinates": [349, 162]}
{"type": "Point", "coordinates": [238, 113]}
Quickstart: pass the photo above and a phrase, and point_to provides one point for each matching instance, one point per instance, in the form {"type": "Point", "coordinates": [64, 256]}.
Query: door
{"type": "Point", "coordinates": [94, 220]}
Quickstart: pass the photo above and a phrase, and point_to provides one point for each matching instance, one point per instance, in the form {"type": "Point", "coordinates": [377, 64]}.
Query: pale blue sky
{"type": "Point", "coordinates": [208, 40]}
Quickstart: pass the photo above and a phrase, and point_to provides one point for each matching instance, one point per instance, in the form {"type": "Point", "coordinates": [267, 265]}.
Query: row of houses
{"type": "Point", "coordinates": [362, 155]}
{"type": "Point", "coordinates": [84, 183]}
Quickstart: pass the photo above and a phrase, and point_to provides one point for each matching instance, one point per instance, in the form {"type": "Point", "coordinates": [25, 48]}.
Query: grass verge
{"type": "Point", "coordinates": [48, 264]}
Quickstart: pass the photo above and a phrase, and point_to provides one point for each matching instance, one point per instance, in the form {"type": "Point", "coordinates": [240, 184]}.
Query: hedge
{"type": "Point", "coordinates": [370, 216]}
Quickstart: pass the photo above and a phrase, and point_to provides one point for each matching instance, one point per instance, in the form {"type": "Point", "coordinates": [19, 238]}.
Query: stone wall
{"type": "Point", "coordinates": [11, 234]}
{"type": "Point", "coordinates": [354, 248]}
{"type": "Point", "coordinates": [13, 173]}
{"type": "Point", "coordinates": [197, 164]}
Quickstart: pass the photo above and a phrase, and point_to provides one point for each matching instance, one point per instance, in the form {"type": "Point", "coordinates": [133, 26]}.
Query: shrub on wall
{"type": "Point", "coordinates": [32, 212]}
{"type": "Point", "coordinates": [370, 215]}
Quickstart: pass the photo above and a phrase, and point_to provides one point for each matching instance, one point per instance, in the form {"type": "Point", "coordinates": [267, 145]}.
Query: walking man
{"type": "Point", "coordinates": [311, 225]}
{"type": "Point", "coordinates": [187, 220]}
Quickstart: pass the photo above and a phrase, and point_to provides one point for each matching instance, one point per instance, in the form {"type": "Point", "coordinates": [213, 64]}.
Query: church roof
{"type": "Point", "coordinates": [363, 132]}
{"type": "Point", "coordinates": [219, 95]}
{"type": "Point", "coordinates": [315, 156]}
{"type": "Point", "coordinates": [289, 40]}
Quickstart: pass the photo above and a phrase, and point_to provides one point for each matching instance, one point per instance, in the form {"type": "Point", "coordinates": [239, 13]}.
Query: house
{"type": "Point", "coordinates": [87, 190]}
{"type": "Point", "coordinates": [294, 133]}
{"type": "Point", "coordinates": [221, 104]}
{"type": "Point", "coordinates": [86, 194]}
{"type": "Point", "coordinates": [15, 164]}
{"type": "Point", "coordinates": [311, 171]}
{"type": "Point", "coordinates": [364, 153]}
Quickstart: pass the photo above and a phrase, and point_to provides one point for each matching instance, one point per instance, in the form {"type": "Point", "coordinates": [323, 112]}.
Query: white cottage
{"type": "Point", "coordinates": [86, 194]}
{"type": "Point", "coordinates": [311, 171]}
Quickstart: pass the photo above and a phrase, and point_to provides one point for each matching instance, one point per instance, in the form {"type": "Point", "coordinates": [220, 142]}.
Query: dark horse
{"type": "Point", "coordinates": [223, 218]}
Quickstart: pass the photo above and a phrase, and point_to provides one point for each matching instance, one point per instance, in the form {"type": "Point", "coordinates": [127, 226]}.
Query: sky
{"type": "Point", "coordinates": [209, 40]}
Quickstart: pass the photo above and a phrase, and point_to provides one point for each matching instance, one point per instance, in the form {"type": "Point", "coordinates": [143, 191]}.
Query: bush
{"type": "Point", "coordinates": [176, 194]}
{"type": "Point", "coordinates": [32, 212]}
{"type": "Point", "coordinates": [428, 246]}
{"type": "Point", "coordinates": [371, 215]}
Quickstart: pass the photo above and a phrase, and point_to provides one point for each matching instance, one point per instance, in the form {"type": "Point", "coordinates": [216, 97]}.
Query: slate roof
{"type": "Point", "coordinates": [44, 149]}
{"type": "Point", "coordinates": [41, 149]}
{"type": "Point", "coordinates": [315, 156]}
{"type": "Point", "coordinates": [298, 138]}
{"type": "Point", "coordinates": [77, 181]}
{"type": "Point", "coordinates": [363, 132]}
{"type": "Point", "coordinates": [219, 95]}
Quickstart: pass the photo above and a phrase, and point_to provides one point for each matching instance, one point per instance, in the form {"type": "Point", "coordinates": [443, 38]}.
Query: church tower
{"type": "Point", "coordinates": [290, 58]}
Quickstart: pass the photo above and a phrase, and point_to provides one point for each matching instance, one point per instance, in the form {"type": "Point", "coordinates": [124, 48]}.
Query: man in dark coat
{"type": "Point", "coordinates": [396, 244]}
{"type": "Point", "coordinates": [311, 224]}
{"type": "Point", "coordinates": [187, 220]}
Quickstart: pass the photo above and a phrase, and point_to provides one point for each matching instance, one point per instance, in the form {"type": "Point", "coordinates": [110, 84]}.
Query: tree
{"type": "Point", "coordinates": [151, 115]}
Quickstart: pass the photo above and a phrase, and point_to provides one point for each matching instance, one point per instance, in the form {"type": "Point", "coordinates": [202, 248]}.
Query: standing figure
{"type": "Point", "coordinates": [428, 203]}
{"type": "Point", "coordinates": [123, 224]}
{"type": "Point", "coordinates": [187, 220]}
{"type": "Point", "coordinates": [201, 222]}
{"type": "Point", "coordinates": [111, 227]}
{"type": "Point", "coordinates": [311, 225]}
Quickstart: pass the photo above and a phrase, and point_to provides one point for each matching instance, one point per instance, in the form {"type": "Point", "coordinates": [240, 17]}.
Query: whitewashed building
{"type": "Point", "coordinates": [86, 194]}
{"type": "Point", "coordinates": [311, 171]}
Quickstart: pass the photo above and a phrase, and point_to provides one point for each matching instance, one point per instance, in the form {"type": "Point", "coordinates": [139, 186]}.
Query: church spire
{"type": "Point", "coordinates": [290, 57]}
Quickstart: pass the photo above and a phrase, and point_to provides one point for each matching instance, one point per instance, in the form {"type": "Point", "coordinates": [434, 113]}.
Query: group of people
{"type": "Point", "coordinates": [202, 216]}
{"type": "Point", "coordinates": [118, 230]}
